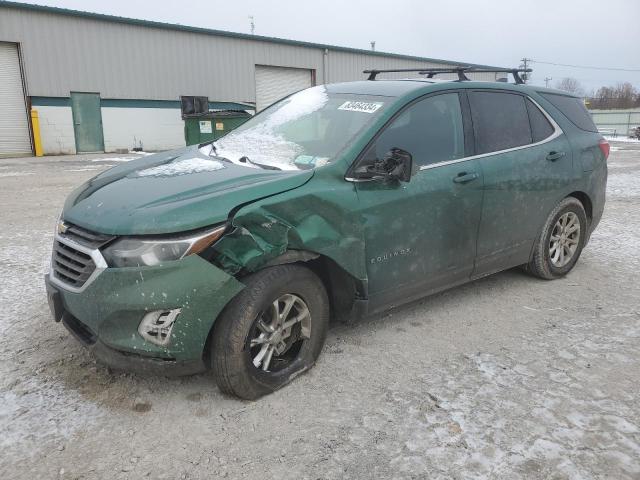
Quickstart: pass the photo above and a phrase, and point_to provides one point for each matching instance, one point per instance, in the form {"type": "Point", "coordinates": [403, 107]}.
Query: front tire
{"type": "Point", "coordinates": [270, 332]}
{"type": "Point", "coordinates": [561, 241]}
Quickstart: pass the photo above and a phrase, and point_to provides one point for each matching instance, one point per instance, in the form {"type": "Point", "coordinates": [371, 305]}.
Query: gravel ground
{"type": "Point", "coordinates": [506, 377]}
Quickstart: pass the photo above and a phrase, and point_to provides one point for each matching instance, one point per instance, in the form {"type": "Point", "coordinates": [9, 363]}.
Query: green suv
{"type": "Point", "coordinates": [336, 202]}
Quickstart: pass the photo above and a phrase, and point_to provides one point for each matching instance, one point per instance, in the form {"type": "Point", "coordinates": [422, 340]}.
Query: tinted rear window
{"type": "Point", "coordinates": [574, 109]}
{"type": "Point", "coordinates": [500, 121]}
{"type": "Point", "coordinates": [540, 126]}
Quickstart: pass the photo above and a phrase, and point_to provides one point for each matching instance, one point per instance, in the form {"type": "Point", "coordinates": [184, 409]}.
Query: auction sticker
{"type": "Point", "coordinates": [366, 107]}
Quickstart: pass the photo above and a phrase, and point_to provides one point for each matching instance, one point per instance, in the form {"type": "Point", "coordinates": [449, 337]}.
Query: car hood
{"type": "Point", "coordinates": [172, 192]}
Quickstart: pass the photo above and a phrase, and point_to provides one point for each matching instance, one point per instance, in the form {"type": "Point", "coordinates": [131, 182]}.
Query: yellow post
{"type": "Point", "coordinates": [35, 125]}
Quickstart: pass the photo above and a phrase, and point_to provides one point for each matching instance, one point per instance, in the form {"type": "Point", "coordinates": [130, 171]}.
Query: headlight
{"type": "Point", "coordinates": [141, 251]}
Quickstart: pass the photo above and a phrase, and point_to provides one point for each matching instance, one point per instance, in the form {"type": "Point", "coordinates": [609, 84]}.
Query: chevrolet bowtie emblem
{"type": "Point", "coordinates": [62, 228]}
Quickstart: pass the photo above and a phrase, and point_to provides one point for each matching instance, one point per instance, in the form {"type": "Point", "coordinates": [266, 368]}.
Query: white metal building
{"type": "Point", "coordinates": [101, 83]}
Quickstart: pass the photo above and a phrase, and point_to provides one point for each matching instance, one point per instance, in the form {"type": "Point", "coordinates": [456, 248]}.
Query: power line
{"type": "Point", "coordinates": [587, 66]}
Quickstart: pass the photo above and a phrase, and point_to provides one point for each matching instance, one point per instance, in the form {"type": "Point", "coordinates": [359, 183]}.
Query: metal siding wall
{"type": "Point", "coordinates": [136, 62]}
{"type": "Point", "coordinates": [344, 67]}
{"type": "Point", "coordinates": [64, 53]}
{"type": "Point", "coordinates": [155, 128]}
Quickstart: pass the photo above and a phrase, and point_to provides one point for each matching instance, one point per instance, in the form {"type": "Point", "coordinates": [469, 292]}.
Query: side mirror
{"type": "Point", "coordinates": [396, 165]}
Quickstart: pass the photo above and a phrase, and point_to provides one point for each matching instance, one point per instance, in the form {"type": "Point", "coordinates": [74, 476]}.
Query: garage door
{"type": "Point", "coordinates": [14, 126]}
{"type": "Point", "coordinates": [274, 83]}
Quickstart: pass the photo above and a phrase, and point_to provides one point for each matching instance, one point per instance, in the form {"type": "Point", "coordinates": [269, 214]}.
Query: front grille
{"type": "Point", "coordinates": [71, 266]}
{"type": "Point", "coordinates": [75, 253]}
{"type": "Point", "coordinates": [85, 237]}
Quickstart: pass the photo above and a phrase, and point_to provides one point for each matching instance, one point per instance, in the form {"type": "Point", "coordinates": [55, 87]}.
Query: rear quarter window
{"type": "Point", "coordinates": [573, 108]}
{"type": "Point", "coordinates": [540, 126]}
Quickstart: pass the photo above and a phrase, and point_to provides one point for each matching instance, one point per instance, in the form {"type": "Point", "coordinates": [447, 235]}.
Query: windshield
{"type": "Point", "coordinates": [306, 130]}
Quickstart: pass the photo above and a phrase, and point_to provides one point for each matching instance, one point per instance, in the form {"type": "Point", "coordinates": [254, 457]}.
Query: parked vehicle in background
{"type": "Point", "coordinates": [338, 201]}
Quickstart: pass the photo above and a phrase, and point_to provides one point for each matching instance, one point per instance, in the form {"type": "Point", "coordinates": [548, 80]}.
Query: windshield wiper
{"type": "Point", "coordinates": [246, 159]}
{"type": "Point", "coordinates": [214, 150]}
{"type": "Point", "coordinates": [243, 159]}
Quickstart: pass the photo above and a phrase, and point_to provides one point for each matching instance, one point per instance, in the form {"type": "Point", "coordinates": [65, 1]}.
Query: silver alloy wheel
{"type": "Point", "coordinates": [286, 322]}
{"type": "Point", "coordinates": [564, 240]}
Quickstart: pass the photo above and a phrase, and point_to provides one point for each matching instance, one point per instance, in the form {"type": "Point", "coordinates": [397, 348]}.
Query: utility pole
{"type": "Point", "coordinates": [252, 23]}
{"type": "Point", "coordinates": [525, 64]}
{"type": "Point", "coordinates": [546, 81]}
{"type": "Point", "coordinates": [373, 45]}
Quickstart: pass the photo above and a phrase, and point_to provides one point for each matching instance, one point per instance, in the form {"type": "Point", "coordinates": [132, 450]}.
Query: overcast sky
{"type": "Point", "coordinates": [599, 33]}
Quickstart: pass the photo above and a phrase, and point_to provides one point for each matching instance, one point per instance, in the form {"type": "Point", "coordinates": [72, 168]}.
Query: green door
{"type": "Point", "coordinates": [421, 235]}
{"type": "Point", "coordinates": [527, 165]}
{"type": "Point", "coordinates": [87, 122]}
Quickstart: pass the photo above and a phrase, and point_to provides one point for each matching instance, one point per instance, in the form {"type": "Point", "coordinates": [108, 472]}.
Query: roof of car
{"type": "Point", "coordinates": [389, 88]}
{"type": "Point", "coordinates": [398, 88]}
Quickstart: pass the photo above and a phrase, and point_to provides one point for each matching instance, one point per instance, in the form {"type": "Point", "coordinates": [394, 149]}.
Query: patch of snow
{"type": "Point", "coordinates": [122, 159]}
{"type": "Point", "coordinates": [623, 185]}
{"type": "Point", "coordinates": [86, 169]}
{"type": "Point", "coordinates": [621, 139]}
{"type": "Point", "coordinates": [35, 412]}
{"type": "Point", "coordinates": [297, 106]}
{"type": "Point", "coordinates": [182, 167]}
{"type": "Point", "coordinates": [16, 174]}
{"type": "Point", "coordinates": [616, 241]}
{"type": "Point", "coordinates": [113, 159]}
{"type": "Point", "coordinates": [261, 143]}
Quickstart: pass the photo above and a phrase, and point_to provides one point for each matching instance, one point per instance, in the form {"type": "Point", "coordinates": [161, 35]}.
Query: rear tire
{"type": "Point", "coordinates": [252, 353]}
{"type": "Point", "coordinates": [561, 241]}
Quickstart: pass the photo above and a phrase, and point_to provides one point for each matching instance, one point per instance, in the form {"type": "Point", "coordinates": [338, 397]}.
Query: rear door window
{"type": "Point", "coordinates": [573, 108]}
{"type": "Point", "coordinates": [431, 130]}
{"type": "Point", "coordinates": [500, 121]}
{"type": "Point", "coordinates": [541, 128]}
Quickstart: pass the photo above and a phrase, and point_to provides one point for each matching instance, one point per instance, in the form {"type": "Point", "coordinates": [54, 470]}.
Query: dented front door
{"type": "Point", "coordinates": [422, 234]}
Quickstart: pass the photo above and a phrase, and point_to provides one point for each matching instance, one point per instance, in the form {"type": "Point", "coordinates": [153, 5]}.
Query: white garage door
{"type": "Point", "coordinates": [274, 83]}
{"type": "Point", "coordinates": [14, 126]}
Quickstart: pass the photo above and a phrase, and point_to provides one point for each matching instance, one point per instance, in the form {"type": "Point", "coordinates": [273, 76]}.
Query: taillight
{"type": "Point", "coordinates": [604, 147]}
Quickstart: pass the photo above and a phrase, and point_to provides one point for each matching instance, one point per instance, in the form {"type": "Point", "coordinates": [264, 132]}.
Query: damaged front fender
{"type": "Point", "coordinates": [317, 218]}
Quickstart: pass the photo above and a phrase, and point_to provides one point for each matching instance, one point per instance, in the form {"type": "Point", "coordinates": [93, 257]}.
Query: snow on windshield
{"type": "Point", "coordinates": [182, 167]}
{"type": "Point", "coordinates": [262, 143]}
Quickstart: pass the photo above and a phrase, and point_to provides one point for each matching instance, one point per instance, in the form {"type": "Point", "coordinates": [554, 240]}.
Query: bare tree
{"type": "Point", "coordinates": [571, 85]}
{"type": "Point", "coordinates": [623, 95]}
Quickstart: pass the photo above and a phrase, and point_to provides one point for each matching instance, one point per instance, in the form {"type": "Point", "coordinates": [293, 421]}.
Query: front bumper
{"type": "Point", "coordinates": [106, 314]}
{"type": "Point", "coordinates": [121, 360]}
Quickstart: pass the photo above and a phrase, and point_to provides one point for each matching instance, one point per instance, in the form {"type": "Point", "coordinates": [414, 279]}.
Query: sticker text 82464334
{"type": "Point", "coordinates": [366, 107]}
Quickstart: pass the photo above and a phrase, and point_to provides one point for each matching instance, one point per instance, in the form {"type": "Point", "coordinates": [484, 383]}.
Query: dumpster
{"type": "Point", "coordinates": [204, 127]}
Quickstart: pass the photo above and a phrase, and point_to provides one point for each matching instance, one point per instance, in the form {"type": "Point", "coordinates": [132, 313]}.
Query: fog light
{"type": "Point", "coordinates": [156, 326]}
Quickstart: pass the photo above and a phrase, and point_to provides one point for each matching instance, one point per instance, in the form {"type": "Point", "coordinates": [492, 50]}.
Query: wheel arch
{"type": "Point", "coordinates": [586, 202]}
{"type": "Point", "coordinates": [347, 294]}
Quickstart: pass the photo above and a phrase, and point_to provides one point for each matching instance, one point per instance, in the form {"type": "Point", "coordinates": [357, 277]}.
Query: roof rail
{"type": "Point", "coordinates": [461, 71]}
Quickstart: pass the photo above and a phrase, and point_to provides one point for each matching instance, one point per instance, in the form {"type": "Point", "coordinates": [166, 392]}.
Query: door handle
{"type": "Point", "coordinates": [465, 177]}
{"type": "Point", "coordinates": [553, 156]}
